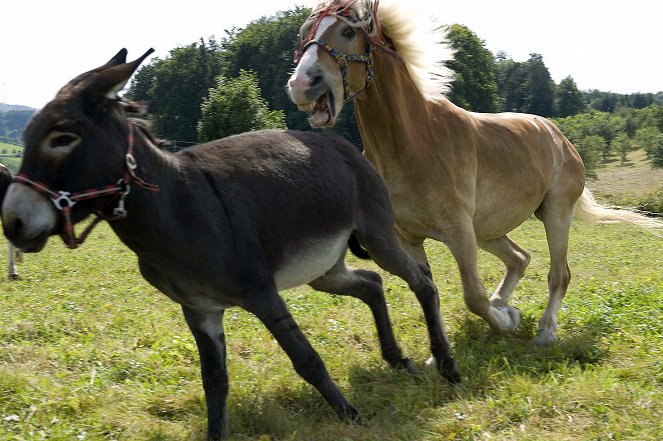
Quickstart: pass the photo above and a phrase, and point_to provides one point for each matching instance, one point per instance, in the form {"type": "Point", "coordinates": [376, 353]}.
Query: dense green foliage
{"type": "Point", "coordinates": [599, 136]}
{"type": "Point", "coordinates": [236, 106]}
{"type": "Point", "coordinates": [89, 351]}
{"type": "Point", "coordinates": [474, 86]}
{"type": "Point", "coordinates": [176, 86]}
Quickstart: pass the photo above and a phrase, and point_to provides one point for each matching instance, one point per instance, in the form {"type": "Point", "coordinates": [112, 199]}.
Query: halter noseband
{"type": "Point", "coordinates": [343, 60]}
{"type": "Point", "coordinates": [64, 200]}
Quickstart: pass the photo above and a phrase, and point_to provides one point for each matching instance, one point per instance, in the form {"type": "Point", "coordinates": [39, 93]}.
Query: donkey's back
{"type": "Point", "coordinates": [299, 196]}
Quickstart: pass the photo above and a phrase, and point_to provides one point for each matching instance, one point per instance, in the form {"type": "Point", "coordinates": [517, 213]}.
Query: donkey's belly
{"type": "Point", "coordinates": [310, 260]}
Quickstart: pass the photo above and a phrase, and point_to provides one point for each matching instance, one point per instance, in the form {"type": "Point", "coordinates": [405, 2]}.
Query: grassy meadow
{"type": "Point", "coordinates": [89, 351]}
{"type": "Point", "coordinates": [7, 158]}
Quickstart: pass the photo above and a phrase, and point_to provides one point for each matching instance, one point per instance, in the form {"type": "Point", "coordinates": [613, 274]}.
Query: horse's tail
{"type": "Point", "coordinates": [588, 209]}
{"type": "Point", "coordinates": [357, 249]}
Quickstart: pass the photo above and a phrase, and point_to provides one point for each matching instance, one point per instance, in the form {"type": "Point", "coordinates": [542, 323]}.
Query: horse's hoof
{"type": "Point", "coordinates": [504, 318]}
{"type": "Point", "coordinates": [544, 338]}
{"type": "Point", "coordinates": [431, 362]}
{"type": "Point", "coordinates": [449, 370]}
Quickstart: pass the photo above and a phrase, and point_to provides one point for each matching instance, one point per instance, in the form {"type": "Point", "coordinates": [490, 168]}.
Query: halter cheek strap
{"type": "Point", "coordinates": [343, 60]}
{"type": "Point", "coordinates": [64, 201]}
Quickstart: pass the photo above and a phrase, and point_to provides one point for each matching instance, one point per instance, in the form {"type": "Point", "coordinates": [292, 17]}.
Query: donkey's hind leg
{"type": "Point", "coordinates": [12, 270]}
{"type": "Point", "coordinates": [387, 252]}
{"type": "Point", "coordinates": [367, 287]}
{"type": "Point", "coordinates": [557, 220]}
{"type": "Point", "coordinates": [271, 310]}
{"type": "Point", "coordinates": [515, 259]}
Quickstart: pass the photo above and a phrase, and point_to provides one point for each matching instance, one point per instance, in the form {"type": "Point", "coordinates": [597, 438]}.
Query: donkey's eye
{"type": "Point", "coordinates": [64, 140]}
{"type": "Point", "coordinates": [349, 33]}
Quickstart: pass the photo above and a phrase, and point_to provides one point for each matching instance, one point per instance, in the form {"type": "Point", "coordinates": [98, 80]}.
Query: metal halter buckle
{"type": "Point", "coordinates": [63, 198]}
{"type": "Point", "coordinates": [120, 210]}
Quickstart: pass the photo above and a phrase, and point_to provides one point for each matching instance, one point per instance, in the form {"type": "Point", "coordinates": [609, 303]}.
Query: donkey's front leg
{"type": "Point", "coordinates": [207, 329]}
{"type": "Point", "coordinates": [272, 312]}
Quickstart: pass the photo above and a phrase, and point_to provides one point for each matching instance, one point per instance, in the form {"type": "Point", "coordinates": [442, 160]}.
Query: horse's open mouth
{"type": "Point", "coordinates": [323, 111]}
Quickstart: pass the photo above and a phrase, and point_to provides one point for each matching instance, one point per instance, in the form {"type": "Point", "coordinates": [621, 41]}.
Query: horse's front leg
{"type": "Point", "coordinates": [463, 246]}
{"type": "Point", "coordinates": [207, 329]}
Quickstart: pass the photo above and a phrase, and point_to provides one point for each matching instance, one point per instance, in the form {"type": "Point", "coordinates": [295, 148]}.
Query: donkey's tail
{"type": "Point", "coordinates": [588, 209]}
{"type": "Point", "coordinates": [357, 249]}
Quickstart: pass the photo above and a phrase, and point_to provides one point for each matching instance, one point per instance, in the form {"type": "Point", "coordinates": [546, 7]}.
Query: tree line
{"type": "Point", "coordinates": [214, 88]}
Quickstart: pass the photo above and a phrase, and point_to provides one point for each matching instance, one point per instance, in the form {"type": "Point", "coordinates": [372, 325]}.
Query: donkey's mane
{"type": "Point", "coordinates": [416, 38]}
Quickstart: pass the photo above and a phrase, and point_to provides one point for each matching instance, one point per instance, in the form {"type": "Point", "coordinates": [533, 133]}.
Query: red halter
{"type": "Point", "coordinates": [64, 200]}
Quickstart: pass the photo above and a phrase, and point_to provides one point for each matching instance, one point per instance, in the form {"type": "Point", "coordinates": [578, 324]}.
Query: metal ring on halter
{"type": "Point", "coordinates": [64, 196]}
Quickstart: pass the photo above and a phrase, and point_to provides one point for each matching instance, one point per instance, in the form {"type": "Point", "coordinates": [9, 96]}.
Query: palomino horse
{"type": "Point", "coordinates": [14, 253]}
{"type": "Point", "coordinates": [243, 217]}
{"type": "Point", "coordinates": [462, 178]}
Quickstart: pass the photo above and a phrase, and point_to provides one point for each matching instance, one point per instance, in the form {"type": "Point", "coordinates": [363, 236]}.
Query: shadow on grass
{"type": "Point", "coordinates": [484, 353]}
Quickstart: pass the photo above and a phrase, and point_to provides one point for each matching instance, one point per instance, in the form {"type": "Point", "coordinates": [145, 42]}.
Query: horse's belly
{"type": "Point", "coordinates": [310, 261]}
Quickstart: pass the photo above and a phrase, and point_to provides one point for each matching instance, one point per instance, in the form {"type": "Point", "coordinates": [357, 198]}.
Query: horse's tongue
{"type": "Point", "coordinates": [319, 118]}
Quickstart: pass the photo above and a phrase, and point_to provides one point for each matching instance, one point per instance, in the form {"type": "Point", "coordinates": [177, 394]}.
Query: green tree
{"type": "Point", "coordinates": [540, 87]}
{"type": "Point", "coordinates": [236, 106]}
{"type": "Point", "coordinates": [591, 148]}
{"type": "Point", "coordinates": [649, 139]}
{"type": "Point", "coordinates": [570, 101]}
{"type": "Point", "coordinates": [474, 86]}
{"type": "Point", "coordinates": [622, 145]}
{"type": "Point", "coordinates": [525, 87]}
{"type": "Point", "coordinates": [176, 87]}
{"type": "Point", "coordinates": [266, 46]}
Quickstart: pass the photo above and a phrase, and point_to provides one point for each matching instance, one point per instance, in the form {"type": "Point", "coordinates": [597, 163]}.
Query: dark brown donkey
{"type": "Point", "coordinates": [223, 224]}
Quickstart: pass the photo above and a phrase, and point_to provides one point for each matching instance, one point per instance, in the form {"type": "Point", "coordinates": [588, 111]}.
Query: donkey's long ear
{"type": "Point", "coordinates": [109, 81]}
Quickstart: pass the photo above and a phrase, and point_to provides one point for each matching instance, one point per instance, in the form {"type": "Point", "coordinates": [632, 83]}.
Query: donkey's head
{"type": "Point", "coordinates": [334, 60]}
{"type": "Point", "coordinates": [71, 145]}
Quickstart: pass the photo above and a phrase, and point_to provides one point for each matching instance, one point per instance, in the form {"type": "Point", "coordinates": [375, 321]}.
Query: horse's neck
{"type": "Point", "coordinates": [394, 117]}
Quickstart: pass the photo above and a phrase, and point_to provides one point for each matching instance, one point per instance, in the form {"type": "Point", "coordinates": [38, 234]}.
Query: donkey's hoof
{"type": "Point", "coordinates": [544, 337]}
{"type": "Point", "coordinates": [504, 318]}
{"type": "Point", "coordinates": [408, 365]}
{"type": "Point", "coordinates": [350, 415]}
{"type": "Point", "coordinates": [449, 370]}
{"type": "Point", "coordinates": [13, 277]}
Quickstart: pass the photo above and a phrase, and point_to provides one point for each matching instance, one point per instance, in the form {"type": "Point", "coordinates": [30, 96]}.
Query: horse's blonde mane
{"type": "Point", "coordinates": [420, 41]}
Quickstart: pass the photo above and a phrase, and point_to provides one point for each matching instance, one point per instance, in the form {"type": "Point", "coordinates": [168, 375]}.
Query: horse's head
{"type": "Point", "coordinates": [334, 59]}
{"type": "Point", "coordinates": [70, 147]}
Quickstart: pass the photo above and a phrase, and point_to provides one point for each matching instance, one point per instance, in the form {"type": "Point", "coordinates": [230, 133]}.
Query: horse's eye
{"type": "Point", "coordinates": [64, 140]}
{"type": "Point", "coordinates": [349, 33]}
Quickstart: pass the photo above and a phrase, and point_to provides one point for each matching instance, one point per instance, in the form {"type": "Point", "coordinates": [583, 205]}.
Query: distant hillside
{"type": "Point", "coordinates": [13, 107]}
{"type": "Point", "coordinates": [13, 119]}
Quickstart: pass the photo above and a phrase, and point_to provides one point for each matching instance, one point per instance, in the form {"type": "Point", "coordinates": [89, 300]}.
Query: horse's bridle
{"type": "Point", "coordinates": [64, 200]}
{"type": "Point", "coordinates": [343, 60]}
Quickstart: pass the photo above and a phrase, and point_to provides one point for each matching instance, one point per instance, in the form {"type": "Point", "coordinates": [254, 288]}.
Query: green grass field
{"type": "Point", "coordinates": [8, 159]}
{"type": "Point", "coordinates": [89, 351]}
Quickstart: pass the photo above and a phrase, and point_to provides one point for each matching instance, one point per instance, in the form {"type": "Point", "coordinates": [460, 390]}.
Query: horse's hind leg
{"type": "Point", "coordinates": [557, 221]}
{"type": "Point", "coordinates": [515, 259]}
{"type": "Point", "coordinates": [386, 251]}
{"type": "Point", "coordinates": [367, 287]}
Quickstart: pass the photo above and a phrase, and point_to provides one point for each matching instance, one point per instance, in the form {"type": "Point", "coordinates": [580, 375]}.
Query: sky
{"type": "Point", "coordinates": [605, 45]}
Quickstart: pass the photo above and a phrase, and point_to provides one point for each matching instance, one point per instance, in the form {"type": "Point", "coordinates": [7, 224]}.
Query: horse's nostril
{"type": "Point", "coordinates": [316, 80]}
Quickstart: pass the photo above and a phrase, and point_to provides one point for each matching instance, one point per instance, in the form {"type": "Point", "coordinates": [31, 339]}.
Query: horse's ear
{"type": "Point", "coordinates": [111, 79]}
